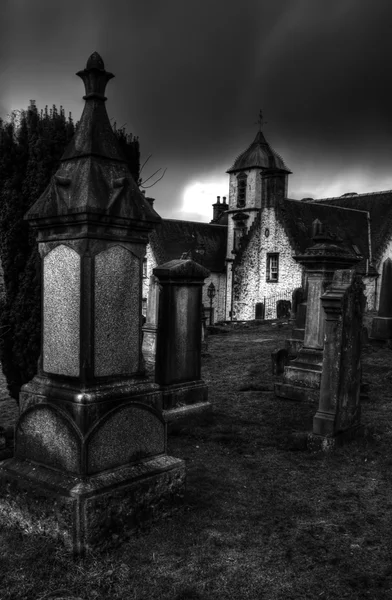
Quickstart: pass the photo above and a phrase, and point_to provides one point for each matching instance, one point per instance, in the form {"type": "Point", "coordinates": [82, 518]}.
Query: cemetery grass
{"type": "Point", "coordinates": [263, 518]}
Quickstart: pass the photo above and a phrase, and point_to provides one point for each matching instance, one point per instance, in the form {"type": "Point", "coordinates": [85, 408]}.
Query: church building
{"type": "Point", "coordinates": [250, 243]}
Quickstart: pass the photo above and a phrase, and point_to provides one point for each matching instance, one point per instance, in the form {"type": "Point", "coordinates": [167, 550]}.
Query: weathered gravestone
{"type": "Point", "coordinates": [339, 413]}
{"type": "Point", "coordinates": [90, 443]}
{"type": "Point", "coordinates": [150, 327]}
{"type": "Point", "coordinates": [382, 324]}
{"type": "Point", "coordinates": [279, 359]}
{"type": "Point", "coordinates": [283, 309]}
{"type": "Point", "coordinates": [301, 379]}
{"type": "Point", "coordinates": [178, 353]}
{"type": "Point", "coordinates": [259, 310]}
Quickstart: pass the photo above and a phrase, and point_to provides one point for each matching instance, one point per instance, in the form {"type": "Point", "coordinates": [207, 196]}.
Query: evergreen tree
{"type": "Point", "coordinates": [31, 145]}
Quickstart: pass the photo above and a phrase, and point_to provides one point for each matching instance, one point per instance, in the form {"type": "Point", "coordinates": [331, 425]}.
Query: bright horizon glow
{"type": "Point", "coordinates": [198, 198]}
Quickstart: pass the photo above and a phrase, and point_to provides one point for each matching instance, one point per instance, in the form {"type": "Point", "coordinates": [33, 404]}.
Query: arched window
{"type": "Point", "coordinates": [241, 189]}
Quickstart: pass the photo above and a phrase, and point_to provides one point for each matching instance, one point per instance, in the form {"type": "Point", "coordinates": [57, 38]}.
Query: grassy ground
{"type": "Point", "coordinates": [262, 519]}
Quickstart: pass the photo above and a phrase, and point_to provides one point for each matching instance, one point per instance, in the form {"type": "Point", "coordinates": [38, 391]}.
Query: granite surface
{"type": "Point", "coordinates": [61, 310]}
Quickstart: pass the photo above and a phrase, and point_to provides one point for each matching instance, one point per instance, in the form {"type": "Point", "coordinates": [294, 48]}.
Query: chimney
{"type": "Point", "coordinates": [218, 208]}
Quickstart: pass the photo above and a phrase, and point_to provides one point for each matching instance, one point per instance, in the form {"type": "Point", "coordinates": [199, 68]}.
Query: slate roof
{"type": "Point", "coordinates": [350, 225]}
{"type": "Point", "coordinates": [203, 242]}
{"type": "Point", "coordinates": [379, 207]}
{"type": "Point", "coordinates": [259, 154]}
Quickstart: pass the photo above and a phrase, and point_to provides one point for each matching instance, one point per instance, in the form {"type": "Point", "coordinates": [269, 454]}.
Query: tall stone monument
{"type": "Point", "coordinates": [90, 442]}
{"type": "Point", "coordinates": [382, 324]}
{"type": "Point", "coordinates": [339, 408]}
{"type": "Point", "coordinates": [301, 379]}
{"type": "Point", "coordinates": [178, 353]}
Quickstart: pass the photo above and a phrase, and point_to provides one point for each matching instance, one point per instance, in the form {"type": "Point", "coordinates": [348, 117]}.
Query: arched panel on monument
{"type": "Point", "coordinates": [61, 311]}
{"type": "Point", "coordinates": [117, 298]}
{"type": "Point", "coordinates": [128, 433]}
{"type": "Point", "coordinates": [45, 435]}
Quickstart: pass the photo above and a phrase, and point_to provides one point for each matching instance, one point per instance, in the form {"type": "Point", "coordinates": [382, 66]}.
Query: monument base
{"type": "Point", "coordinates": [328, 443]}
{"type": "Point", "coordinates": [301, 378]}
{"type": "Point", "coordinates": [184, 401]}
{"type": "Point", "coordinates": [92, 513]}
{"type": "Point", "coordinates": [293, 346]}
{"type": "Point", "coordinates": [297, 393]}
{"type": "Point", "coordinates": [381, 328]}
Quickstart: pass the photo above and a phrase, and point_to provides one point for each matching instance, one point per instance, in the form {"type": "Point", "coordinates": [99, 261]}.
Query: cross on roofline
{"type": "Point", "coordinates": [260, 121]}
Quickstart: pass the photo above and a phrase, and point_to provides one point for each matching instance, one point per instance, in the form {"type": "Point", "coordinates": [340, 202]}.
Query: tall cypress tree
{"type": "Point", "coordinates": [31, 145]}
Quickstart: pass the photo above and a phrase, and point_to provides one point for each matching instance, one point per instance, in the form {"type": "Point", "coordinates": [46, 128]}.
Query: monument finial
{"type": "Point", "coordinates": [95, 62]}
{"type": "Point", "coordinates": [95, 77]}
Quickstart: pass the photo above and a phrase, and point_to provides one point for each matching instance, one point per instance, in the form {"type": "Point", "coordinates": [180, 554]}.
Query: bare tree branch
{"type": "Point", "coordinates": [148, 186]}
{"type": "Point", "coordinates": [145, 162]}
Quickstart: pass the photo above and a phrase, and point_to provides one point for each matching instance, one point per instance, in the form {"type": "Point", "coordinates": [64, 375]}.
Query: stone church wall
{"type": "Point", "coordinates": [251, 285]}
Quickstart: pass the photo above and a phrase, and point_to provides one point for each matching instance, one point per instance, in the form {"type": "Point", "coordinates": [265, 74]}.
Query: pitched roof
{"type": "Point", "coordinates": [379, 207]}
{"type": "Point", "coordinates": [349, 225]}
{"type": "Point", "coordinates": [259, 154]}
{"type": "Point", "coordinates": [203, 242]}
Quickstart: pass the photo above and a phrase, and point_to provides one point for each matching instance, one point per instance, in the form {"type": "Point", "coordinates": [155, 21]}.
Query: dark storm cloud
{"type": "Point", "coordinates": [191, 77]}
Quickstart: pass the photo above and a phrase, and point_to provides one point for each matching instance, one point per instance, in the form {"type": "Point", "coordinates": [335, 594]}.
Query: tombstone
{"type": "Point", "coordinates": [90, 457]}
{"type": "Point", "coordinates": [339, 410]}
{"type": "Point", "coordinates": [283, 309]}
{"type": "Point", "coordinates": [298, 319]}
{"type": "Point", "coordinates": [150, 327]}
{"type": "Point", "coordinates": [178, 355]}
{"type": "Point", "coordinates": [382, 324]}
{"type": "Point", "coordinates": [259, 310]}
{"type": "Point", "coordinates": [279, 358]}
{"type": "Point", "coordinates": [301, 379]}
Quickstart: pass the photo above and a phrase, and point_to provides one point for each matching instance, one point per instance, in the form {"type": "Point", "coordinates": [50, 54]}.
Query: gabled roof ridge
{"type": "Point", "coordinates": [330, 205]}
{"type": "Point", "coordinates": [194, 222]}
{"type": "Point", "coordinates": [353, 196]}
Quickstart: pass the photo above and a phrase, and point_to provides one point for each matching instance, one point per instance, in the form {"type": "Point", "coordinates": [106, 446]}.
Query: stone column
{"type": "Point", "coordinates": [151, 325]}
{"type": "Point", "coordinates": [339, 402]}
{"type": "Point", "coordinates": [382, 324]}
{"type": "Point", "coordinates": [178, 355]}
{"type": "Point", "coordinates": [301, 380]}
{"type": "Point", "coordinates": [90, 443]}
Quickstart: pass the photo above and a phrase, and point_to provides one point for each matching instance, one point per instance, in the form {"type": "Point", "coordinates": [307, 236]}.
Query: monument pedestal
{"type": "Point", "coordinates": [301, 379]}
{"type": "Point", "coordinates": [184, 400]}
{"type": "Point", "coordinates": [89, 512]}
{"type": "Point", "coordinates": [295, 344]}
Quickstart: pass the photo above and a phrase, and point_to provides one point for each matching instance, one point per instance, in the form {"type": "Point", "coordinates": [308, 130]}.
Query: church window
{"type": "Point", "coordinates": [272, 267]}
{"type": "Point", "coordinates": [144, 267]}
{"type": "Point", "coordinates": [241, 189]}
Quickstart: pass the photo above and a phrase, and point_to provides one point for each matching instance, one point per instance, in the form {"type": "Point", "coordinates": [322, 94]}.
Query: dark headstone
{"type": "Point", "coordinates": [280, 358]}
{"type": "Point", "coordinates": [179, 340]}
{"type": "Point", "coordinates": [259, 312]}
{"type": "Point", "coordinates": [283, 309]}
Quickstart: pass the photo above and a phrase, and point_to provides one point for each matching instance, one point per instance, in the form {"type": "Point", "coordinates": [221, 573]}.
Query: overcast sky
{"type": "Point", "coordinates": [190, 78]}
